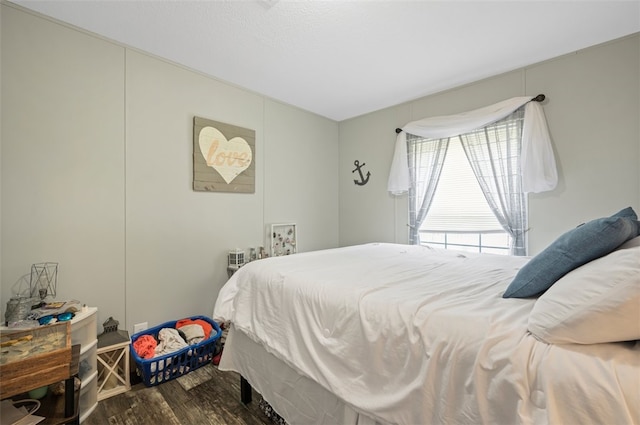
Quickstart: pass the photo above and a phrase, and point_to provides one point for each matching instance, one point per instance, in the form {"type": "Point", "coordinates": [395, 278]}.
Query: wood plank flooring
{"type": "Point", "coordinates": [204, 396]}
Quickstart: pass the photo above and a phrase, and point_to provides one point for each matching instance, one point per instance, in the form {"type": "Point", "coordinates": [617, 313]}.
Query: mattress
{"type": "Point", "coordinates": [410, 334]}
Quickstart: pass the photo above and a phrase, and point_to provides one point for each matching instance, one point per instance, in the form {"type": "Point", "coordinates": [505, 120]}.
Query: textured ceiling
{"type": "Point", "coordinates": [341, 59]}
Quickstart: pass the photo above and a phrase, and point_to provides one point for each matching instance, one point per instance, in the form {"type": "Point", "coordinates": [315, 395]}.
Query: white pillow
{"type": "Point", "coordinates": [595, 303]}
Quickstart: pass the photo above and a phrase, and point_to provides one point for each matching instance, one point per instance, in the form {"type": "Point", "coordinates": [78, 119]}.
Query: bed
{"type": "Point", "coordinates": [386, 333]}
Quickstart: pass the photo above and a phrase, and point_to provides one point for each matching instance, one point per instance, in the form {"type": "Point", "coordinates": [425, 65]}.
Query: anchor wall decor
{"type": "Point", "coordinates": [363, 180]}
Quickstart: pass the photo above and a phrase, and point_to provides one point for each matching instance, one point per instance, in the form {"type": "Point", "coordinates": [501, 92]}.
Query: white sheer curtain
{"type": "Point", "coordinates": [538, 166]}
{"type": "Point", "coordinates": [508, 147]}
{"type": "Point", "coordinates": [494, 153]}
{"type": "Point", "coordinates": [426, 158]}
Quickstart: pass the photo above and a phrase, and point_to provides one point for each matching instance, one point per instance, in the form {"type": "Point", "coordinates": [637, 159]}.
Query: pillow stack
{"type": "Point", "coordinates": [590, 278]}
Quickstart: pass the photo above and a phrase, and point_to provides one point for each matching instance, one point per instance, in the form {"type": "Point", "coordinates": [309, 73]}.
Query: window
{"type": "Point", "coordinates": [460, 217]}
{"type": "Point", "coordinates": [467, 190]}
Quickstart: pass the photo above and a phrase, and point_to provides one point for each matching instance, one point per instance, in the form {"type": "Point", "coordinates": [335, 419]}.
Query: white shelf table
{"type": "Point", "coordinates": [113, 364]}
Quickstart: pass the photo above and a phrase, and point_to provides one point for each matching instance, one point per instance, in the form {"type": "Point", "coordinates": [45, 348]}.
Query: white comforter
{"type": "Point", "coordinates": [413, 335]}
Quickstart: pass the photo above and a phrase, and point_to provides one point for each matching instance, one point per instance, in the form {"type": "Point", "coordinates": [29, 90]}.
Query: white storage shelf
{"type": "Point", "coordinates": [88, 396]}
{"type": "Point", "coordinates": [87, 364]}
{"type": "Point", "coordinates": [84, 331]}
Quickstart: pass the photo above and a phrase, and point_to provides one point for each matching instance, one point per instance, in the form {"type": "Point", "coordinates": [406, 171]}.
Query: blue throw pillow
{"type": "Point", "coordinates": [627, 212]}
{"type": "Point", "coordinates": [571, 250]}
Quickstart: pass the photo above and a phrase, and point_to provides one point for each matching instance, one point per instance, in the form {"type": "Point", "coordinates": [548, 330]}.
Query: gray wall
{"type": "Point", "coordinates": [593, 113]}
{"type": "Point", "coordinates": [96, 163]}
{"type": "Point", "coordinates": [96, 157]}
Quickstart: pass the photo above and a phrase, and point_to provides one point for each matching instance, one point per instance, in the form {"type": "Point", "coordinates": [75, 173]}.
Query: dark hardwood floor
{"type": "Point", "coordinates": [203, 396]}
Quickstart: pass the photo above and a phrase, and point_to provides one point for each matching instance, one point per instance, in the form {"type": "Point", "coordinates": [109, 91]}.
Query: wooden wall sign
{"type": "Point", "coordinates": [223, 157]}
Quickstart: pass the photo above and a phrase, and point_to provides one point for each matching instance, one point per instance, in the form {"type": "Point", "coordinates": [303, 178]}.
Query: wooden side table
{"type": "Point", "coordinates": [55, 409]}
{"type": "Point", "coordinates": [113, 364]}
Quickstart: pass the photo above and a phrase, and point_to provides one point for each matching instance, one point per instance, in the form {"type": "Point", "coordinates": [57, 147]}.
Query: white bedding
{"type": "Point", "coordinates": [413, 335]}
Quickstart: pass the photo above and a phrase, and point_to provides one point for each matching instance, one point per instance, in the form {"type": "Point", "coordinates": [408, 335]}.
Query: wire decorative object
{"type": "Point", "coordinates": [44, 280]}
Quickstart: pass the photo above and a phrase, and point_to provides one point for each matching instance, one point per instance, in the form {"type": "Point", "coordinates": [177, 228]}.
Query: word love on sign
{"type": "Point", "coordinates": [222, 157]}
{"type": "Point", "coordinates": [228, 157]}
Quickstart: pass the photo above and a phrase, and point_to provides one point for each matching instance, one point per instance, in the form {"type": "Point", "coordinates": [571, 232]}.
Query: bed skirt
{"type": "Point", "coordinates": [297, 399]}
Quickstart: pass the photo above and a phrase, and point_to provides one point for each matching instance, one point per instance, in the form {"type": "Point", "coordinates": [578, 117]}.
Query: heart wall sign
{"type": "Point", "coordinates": [223, 157]}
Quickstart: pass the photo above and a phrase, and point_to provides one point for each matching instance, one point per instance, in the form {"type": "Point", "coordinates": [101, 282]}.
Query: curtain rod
{"type": "Point", "coordinates": [538, 98]}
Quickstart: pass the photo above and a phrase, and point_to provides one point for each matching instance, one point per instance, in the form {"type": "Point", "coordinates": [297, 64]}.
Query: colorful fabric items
{"type": "Point", "coordinates": [206, 327]}
{"type": "Point", "coordinates": [145, 346]}
{"type": "Point", "coordinates": [170, 342]}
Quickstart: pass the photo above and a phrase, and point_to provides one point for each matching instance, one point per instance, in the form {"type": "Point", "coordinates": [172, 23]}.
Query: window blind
{"type": "Point", "coordinates": [458, 204]}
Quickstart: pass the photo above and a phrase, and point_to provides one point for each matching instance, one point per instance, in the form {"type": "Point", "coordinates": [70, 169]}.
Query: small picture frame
{"type": "Point", "coordinates": [282, 239]}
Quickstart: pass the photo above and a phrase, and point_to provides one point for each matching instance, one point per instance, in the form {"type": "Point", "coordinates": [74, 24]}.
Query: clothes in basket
{"type": "Point", "coordinates": [173, 356]}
